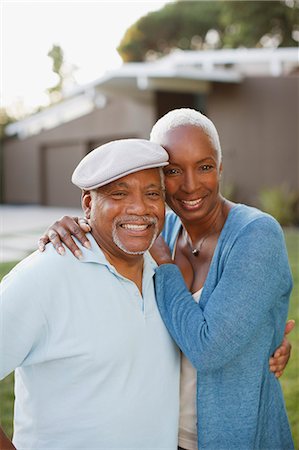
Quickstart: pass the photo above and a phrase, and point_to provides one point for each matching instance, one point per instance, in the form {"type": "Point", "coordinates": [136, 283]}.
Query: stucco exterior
{"type": "Point", "coordinates": [257, 118]}
{"type": "Point", "coordinates": [37, 169]}
{"type": "Point", "coordinates": [258, 126]}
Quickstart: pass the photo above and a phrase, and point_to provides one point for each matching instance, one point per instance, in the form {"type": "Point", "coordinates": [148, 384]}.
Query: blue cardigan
{"type": "Point", "coordinates": [230, 335]}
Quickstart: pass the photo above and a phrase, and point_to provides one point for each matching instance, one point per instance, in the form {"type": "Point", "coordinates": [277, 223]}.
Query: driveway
{"type": "Point", "coordinates": [21, 226]}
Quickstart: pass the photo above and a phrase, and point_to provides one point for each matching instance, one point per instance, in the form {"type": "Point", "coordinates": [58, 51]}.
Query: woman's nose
{"type": "Point", "coordinates": [190, 182]}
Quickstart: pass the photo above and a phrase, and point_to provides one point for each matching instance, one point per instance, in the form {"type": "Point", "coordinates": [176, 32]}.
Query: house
{"type": "Point", "coordinates": [250, 94]}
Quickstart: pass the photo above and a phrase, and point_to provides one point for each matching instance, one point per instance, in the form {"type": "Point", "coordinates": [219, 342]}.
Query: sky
{"type": "Point", "coordinates": [87, 31]}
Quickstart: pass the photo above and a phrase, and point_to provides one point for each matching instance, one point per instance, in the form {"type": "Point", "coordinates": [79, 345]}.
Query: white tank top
{"type": "Point", "coordinates": [188, 379]}
{"type": "Point", "coordinates": [188, 419]}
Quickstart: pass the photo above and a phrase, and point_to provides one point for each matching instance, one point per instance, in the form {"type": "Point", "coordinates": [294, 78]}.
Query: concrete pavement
{"type": "Point", "coordinates": [21, 226]}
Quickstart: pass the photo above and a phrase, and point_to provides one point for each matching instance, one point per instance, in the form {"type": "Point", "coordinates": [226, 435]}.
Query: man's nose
{"type": "Point", "coordinates": [137, 205]}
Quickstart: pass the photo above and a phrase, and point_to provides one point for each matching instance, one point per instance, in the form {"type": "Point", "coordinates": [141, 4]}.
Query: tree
{"type": "Point", "coordinates": [5, 119]}
{"type": "Point", "coordinates": [191, 24]}
{"type": "Point", "coordinates": [259, 23]}
{"type": "Point", "coordinates": [56, 54]}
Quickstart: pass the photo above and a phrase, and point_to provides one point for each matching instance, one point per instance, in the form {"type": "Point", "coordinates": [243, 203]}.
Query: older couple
{"type": "Point", "coordinates": [95, 366]}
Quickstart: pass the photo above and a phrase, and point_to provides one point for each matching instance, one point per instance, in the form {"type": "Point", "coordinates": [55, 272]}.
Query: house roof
{"type": "Point", "coordinates": [183, 71]}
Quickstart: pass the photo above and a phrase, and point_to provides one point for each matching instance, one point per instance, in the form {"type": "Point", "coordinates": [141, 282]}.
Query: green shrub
{"type": "Point", "coordinates": [281, 203]}
{"type": "Point", "coordinates": [229, 191]}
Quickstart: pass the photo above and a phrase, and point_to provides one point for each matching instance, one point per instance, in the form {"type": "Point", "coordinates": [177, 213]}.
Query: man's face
{"type": "Point", "coordinates": [127, 215]}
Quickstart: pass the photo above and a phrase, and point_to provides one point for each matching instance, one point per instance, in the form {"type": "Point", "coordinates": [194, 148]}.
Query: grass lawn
{"type": "Point", "coordinates": [289, 381]}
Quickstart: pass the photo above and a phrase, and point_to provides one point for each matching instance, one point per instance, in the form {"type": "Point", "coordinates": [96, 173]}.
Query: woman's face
{"type": "Point", "coordinates": [192, 176]}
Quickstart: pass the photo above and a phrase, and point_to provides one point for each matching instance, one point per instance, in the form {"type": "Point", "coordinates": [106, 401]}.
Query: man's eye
{"type": "Point", "coordinates": [171, 171]}
{"type": "Point", "coordinates": [154, 194]}
{"type": "Point", "coordinates": [119, 194]}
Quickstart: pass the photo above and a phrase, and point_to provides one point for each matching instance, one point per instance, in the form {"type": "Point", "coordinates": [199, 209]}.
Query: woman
{"type": "Point", "coordinates": [233, 258]}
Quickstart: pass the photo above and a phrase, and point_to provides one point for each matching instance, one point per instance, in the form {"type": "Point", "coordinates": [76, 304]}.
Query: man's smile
{"type": "Point", "coordinates": [135, 227]}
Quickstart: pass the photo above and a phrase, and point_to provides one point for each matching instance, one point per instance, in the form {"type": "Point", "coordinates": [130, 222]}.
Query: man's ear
{"type": "Point", "coordinates": [86, 203]}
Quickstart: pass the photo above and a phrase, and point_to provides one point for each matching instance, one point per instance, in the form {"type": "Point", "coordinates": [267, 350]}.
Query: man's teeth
{"type": "Point", "coordinates": [192, 202]}
{"type": "Point", "coordinates": [129, 226]}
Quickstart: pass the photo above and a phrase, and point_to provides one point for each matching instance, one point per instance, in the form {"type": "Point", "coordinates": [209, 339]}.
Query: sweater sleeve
{"type": "Point", "coordinates": [255, 281]}
{"type": "Point", "coordinates": [22, 322]}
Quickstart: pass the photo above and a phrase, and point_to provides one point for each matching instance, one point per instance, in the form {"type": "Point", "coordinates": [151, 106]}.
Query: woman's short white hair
{"type": "Point", "coordinates": [186, 116]}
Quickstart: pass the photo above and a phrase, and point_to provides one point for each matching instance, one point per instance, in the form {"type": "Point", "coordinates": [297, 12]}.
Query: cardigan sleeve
{"type": "Point", "coordinates": [253, 288]}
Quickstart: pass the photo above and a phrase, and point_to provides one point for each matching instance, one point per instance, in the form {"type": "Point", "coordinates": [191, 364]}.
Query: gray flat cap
{"type": "Point", "coordinates": [117, 159]}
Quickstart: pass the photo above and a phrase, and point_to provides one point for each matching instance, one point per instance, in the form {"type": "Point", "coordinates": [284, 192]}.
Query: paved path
{"type": "Point", "coordinates": [21, 226]}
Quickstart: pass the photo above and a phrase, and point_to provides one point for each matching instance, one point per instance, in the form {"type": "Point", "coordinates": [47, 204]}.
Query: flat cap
{"type": "Point", "coordinates": [117, 159]}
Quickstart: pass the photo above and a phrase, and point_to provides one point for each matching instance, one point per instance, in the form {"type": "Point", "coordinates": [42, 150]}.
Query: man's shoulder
{"type": "Point", "coordinates": [41, 265]}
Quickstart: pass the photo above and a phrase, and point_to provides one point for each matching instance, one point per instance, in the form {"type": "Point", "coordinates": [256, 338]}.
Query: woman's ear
{"type": "Point", "coordinates": [86, 203]}
{"type": "Point", "coordinates": [220, 169]}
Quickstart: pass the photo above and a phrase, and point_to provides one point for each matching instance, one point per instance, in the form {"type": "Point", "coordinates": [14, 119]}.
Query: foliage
{"type": "Point", "coordinates": [57, 56]}
{"type": "Point", "coordinates": [17, 110]}
{"type": "Point", "coordinates": [6, 267]}
{"type": "Point", "coordinates": [280, 202]}
{"type": "Point", "coordinates": [229, 191]}
{"type": "Point", "coordinates": [5, 119]}
{"type": "Point", "coordinates": [188, 25]}
{"type": "Point", "coordinates": [6, 404]}
{"type": "Point", "coordinates": [273, 21]}
{"type": "Point", "coordinates": [289, 380]}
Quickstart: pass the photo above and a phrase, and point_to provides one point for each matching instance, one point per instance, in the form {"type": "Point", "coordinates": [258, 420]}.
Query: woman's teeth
{"type": "Point", "coordinates": [192, 202]}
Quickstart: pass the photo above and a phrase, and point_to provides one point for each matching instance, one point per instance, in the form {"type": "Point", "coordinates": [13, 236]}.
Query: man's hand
{"type": "Point", "coordinates": [282, 354]}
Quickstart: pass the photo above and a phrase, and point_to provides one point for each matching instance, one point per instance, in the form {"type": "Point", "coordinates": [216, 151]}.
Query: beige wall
{"type": "Point", "coordinates": [58, 165]}
{"type": "Point", "coordinates": [38, 169]}
{"type": "Point", "coordinates": [258, 127]}
{"type": "Point", "coordinates": [257, 122]}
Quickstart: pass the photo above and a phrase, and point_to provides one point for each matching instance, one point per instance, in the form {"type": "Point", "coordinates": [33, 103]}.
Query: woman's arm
{"type": "Point", "coordinates": [255, 277]}
{"type": "Point", "coordinates": [61, 232]}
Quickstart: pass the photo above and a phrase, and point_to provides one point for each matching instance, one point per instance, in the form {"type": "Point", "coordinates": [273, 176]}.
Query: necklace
{"type": "Point", "coordinates": [196, 250]}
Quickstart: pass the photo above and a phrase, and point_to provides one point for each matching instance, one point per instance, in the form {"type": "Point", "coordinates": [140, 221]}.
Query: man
{"type": "Point", "coordinates": [95, 366]}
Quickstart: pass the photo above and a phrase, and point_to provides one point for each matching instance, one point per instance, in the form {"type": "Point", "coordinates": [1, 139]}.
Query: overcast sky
{"type": "Point", "coordinates": [87, 31]}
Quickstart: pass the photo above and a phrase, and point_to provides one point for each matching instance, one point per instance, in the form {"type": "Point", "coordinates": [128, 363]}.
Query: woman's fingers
{"type": "Point", "coordinates": [43, 240]}
{"type": "Point", "coordinates": [62, 232]}
{"type": "Point", "coordinates": [84, 225]}
{"type": "Point", "coordinates": [280, 358]}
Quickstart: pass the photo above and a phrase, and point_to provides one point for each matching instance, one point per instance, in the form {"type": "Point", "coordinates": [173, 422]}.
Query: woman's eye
{"type": "Point", "coordinates": [206, 167]}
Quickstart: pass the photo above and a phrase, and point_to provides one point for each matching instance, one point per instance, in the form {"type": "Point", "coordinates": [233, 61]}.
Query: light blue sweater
{"type": "Point", "coordinates": [230, 335]}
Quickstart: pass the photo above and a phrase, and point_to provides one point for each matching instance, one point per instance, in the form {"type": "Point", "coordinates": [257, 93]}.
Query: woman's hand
{"type": "Point", "coordinates": [160, 252]}
{"type": "Point", "coordinates": [282, 355]}
{"type": "Point", "coordinates": [62, 231]}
